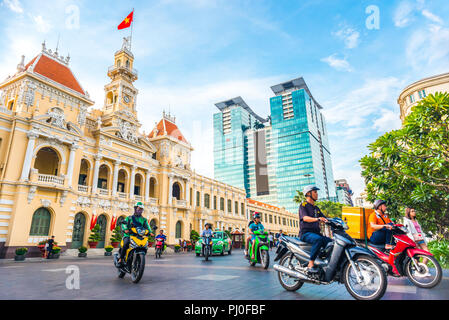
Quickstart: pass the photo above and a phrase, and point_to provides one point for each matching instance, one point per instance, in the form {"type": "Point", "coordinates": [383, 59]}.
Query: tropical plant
{"type": "Point", "coordinates": [56, 249]}
{"type": "Point", "coordinates": [194, 236]}
{"type": "Point", "coordinates": [330, 209]}
{"type": "Point", "coordinates": [95, 234]}
{"type": "Point", "coordinates": [21, 251]}
{"type": "Point", "coordinates": [299, 197]}
{"type": "Point", "coordinates": [116, 234]}
{"type": "Point", "coordinates": [108, 248]}
{"type": "Point", "coordinates": [440, 250]}
{"type": "Point", "coordinates": [82, 249]}
{"type": "Point", "coordinates": [177, 247]}
{"type": "Point", "coordinates": [409, 167]}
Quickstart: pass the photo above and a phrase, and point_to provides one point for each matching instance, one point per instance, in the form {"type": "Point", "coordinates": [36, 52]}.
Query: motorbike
{"type": "Point", "coordinates": [406, 259]}
{"type": "Point", "coordinates": [134, 261]}
{"type": "Point", "coordinates": [261, 247]}
{"type": "Point", "coordinates": [159, 247]}
{"type": "Point", "coordinates": [341, 260]}
{"type": "Point", "coordinates": [207, 247]}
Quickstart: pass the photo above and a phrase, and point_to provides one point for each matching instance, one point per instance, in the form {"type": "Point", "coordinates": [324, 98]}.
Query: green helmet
{"type": "Point", "coordinates": [140, 205]}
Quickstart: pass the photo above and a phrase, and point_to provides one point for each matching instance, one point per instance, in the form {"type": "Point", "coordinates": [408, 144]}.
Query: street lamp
{"type": "Point", "coordinates": [308, 177]}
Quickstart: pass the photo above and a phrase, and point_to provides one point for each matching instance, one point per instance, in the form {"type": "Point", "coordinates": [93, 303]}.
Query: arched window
{"type": "Point", "coordinates": [47, 161]}
{"type": "Point", "coordinates": [178, 233]}
{"type": "Point", "coordinates": [153, 223]}
{"type": "Point", "coordinates": [103, 176]}
{"type": "Point", "coordinates": [176, 191]}
{"type": "Point", "coordinates": [84, 173]}
{"type": "Point", "coordinates": [152, 188]}
{"type": "Point", "coordinates": [138, 184]}
{"type": "Point", "coordinates": [207, 200]}
{"type": "Point", "coordinates": [40, 225]}
{"type": "Point", "coordinates": [119, 223]}
{"type": "Point", "coordinates": [121, 181]}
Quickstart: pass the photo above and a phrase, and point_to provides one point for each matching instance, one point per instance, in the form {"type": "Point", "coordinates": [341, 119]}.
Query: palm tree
{"type": "Point", "coordinates": [299, 197]}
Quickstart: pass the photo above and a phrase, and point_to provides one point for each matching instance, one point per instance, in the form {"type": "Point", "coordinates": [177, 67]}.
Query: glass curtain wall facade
{"type": "Point", "coordinates": [274, 160]}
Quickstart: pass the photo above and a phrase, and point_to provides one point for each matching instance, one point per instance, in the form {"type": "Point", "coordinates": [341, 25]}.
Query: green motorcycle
{"type": "Point", "coordinates": [261, 246]}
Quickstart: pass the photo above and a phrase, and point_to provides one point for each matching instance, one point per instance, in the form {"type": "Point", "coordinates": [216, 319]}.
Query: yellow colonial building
{"type": "Point", "coordinates": [418, 90]}
{"type": "Point", "coordinates": [64, 165]}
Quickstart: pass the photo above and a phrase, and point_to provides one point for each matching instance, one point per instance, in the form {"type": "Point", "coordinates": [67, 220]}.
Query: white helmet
{"type": "Point", "coordinates": [309, 188]}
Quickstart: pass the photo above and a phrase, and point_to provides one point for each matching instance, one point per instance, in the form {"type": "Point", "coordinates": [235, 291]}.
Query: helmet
{"type": "Point", "coordinates": [208, 223]}
{"type": "Point", "coordinates": [378, 203]}
{"type": "Point", "coordinates": [140, 205]}
{"type": "Point", "coordinates": [307, 189]}
{"type": "Point", "coordinates": [256, 215]}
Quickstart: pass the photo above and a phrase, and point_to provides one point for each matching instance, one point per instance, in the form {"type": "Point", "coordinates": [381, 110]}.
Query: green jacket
{"type": "Point", "coordinates": [127, 224]}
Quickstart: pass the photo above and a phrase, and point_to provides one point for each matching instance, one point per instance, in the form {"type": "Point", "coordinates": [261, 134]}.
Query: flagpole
{"type": "Point", "coordinates": [131, 39]}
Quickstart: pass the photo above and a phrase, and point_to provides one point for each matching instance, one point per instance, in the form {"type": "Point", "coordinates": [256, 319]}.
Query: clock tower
{"type": "Point", "coordinates": [120, 93]}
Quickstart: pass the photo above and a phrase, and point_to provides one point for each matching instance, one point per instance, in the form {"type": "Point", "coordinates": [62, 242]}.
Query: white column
{"type": "Point", "coordinates": [147, 187]}
{"type": "Point", "coordinates": [187, 193]}
{"type": "Point", "coordinates": [193, 197]}
{"type": "Point", "coordinates": [170, 190]}
{"type": "Point", "coordinates": [133, 179]}
{"type": "Point", "coordinates": [29, 155]}
{"type": "Point", "coordinates": [115, 178]}
{"type": "Point", "coordinates": [201, 225]}
{"type": "Point", "coordinates": [96, 172]}
{"type": "Point", "coordinates": [202, 197]}
{"type": "Point", "coordinates": [73, 148]}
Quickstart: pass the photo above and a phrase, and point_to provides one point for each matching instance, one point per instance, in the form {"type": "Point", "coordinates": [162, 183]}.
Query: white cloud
{"type": "Point", "coordinates": [336, 63]}
{"type": "Point", "coordinates": [349, 36]}
{"type": "Point", "coordinates": [388, 121]}
{"type": "Point", "coordinates": [402, 15]}
{"type": "Point", "coordinates": [429, 15]}
{"type": "Point", "coordinates": [14, 5]}
{"type": "Point", "coordinates": [41, 24]}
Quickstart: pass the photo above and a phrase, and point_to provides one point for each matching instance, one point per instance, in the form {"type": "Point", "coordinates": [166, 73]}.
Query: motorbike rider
{"type": "Point", "coordinates": [380, 226]}
{"type": "Point", "coordinates": [257, 225]}
{"type": "Point", "coordinates": [207, 232]}
{"type": "Point", "coordinates": [310, 216]}
{"type": "Point", "coordinates": [136, 220]}
{"type": "Point", "coordinates": [163, 238]}
{"type": "Point", "coordinates": [248, 239]}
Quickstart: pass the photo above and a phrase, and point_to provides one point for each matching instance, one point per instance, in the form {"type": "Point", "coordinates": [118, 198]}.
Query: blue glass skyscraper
{"type": "Point", "coordinates": [280, 157]}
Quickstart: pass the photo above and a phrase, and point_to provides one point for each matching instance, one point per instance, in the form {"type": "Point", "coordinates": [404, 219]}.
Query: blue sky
{"type": "Point", "coordinates": [192, 54]}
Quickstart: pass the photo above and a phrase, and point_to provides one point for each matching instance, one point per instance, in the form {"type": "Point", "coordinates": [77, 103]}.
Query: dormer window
{"type": "Point", "coordinates": [11, 105]}
{"type": "Point", "coordinates": [119, 63]}
{"type": "Point", "coordinates": [127, 63]}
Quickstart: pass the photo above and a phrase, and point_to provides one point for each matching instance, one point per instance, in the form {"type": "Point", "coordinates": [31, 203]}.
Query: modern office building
{"type": "Point", "coordinates": [274, 159]}
{"type": "Point", "coordinates": [344, 192]}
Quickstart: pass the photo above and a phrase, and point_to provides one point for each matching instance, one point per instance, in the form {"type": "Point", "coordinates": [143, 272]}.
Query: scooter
{"type": "Point", "coordinates": [159, 247]}
{"type": "Point", "coordinates": [405, 259]}
{"type": "Point", "coordinates": [341, 260]}
{"type": "Point", "coordinates": [261, 247]}
{"type": "Point", "coordinates": [134, 262]}
{"type": "Point", "coordinates": [207, 247]}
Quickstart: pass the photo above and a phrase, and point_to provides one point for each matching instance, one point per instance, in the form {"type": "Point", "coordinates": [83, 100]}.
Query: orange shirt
{"type": "Point", "coordinates": [376, 220]}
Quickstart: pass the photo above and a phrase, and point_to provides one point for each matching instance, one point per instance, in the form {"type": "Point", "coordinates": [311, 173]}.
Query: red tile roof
{"type": "Point", "coordinates": [170, 128]}
{"type": "Point", "coordinates": [56, 71]}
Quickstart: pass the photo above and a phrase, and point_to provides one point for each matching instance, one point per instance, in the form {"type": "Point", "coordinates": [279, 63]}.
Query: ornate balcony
{"type": "Point", "coordinates": [103, 192]}
{"type": "Point", "coordinates": [122, 195]}
{"type": "Point", "coordinates": [179, 203]}
{"type": "Point", "coordinates": [138, 198]}
{"type": "Point", "coordinates": [50, 179]}
{"type": "Point", "coordinates": [84, 189]}
{"type": "Point", "coordinates": [153, 201]}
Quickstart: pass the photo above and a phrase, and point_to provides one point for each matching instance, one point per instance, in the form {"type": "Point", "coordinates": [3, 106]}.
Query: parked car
{"type": "Point", "coordinates": [221, 244]}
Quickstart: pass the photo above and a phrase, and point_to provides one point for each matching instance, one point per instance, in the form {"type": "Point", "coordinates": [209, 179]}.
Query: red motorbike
{"type": "Point", "coordinates": [159, 247]}
{"type": "Point", "coordinates": [405, 259]}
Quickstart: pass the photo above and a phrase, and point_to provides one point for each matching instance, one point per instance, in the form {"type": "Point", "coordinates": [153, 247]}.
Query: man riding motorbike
{"type": "Point", "coordinates": [309, 223]}
{"type": "Point", "coordinates": [207, 232]}
{"type": "Point", "coordinates": [257, 225]}
{"type": "Point", "coordinates": [379, 226]}
{"type": "Point", "coordinates": [162, 237]}
{"type": "Point", "coordinates": [136, 220]}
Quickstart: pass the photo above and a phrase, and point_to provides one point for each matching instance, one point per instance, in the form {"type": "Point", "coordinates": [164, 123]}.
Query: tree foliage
{"type": "Point", "coordinates": [409, 167]}
{"type": "Point", "coordinates": [330, 209]}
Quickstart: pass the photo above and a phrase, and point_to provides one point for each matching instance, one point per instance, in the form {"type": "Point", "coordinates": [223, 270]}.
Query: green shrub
{"type": "Point", "coordinates": [55, 249]}
{"type": "Point", "coordinates": [82, 249]}
{"type": "Point", "coordinates": [108, 248]}
{"type": "Point", "coordinates": [95, 234]}
{"type": "Point", "coordinates": [21, 251]}
{"type": "Point", "coordinates": [440, 249]}
{"type": "Point", "coordinates": [116, 234]}
{"type": "Point", "coordinates": [177, 247]}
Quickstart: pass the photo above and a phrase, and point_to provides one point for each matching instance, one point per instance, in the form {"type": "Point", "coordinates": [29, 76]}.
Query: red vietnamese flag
{"type": "Point", "coordinates": [127, 22]}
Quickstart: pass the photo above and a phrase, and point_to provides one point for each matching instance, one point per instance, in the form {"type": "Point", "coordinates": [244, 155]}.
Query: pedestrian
{"type": "Point", "coordinates": [50, 244]}
{"type": "Point", "coordinates": [414, 229]}
{"type": "Point", "coordinates": [184, 245]}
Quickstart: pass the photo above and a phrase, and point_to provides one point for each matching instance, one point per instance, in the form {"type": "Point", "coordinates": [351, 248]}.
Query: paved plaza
{"type": "Point", "coordinates": [179, 276]}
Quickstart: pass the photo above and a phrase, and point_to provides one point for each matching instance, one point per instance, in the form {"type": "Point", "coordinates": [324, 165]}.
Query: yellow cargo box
{"type": "Point", "coordinates": [354, 217]}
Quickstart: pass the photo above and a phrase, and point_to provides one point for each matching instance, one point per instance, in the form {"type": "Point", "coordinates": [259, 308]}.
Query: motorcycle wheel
{"type": "Point", "coordinates": [230, 250]}
{"type": "Point", "coordinates": [264, 258]}
{"type": "Point", "coordinates": [428, 276]}
{"type": "Point", "coordinates": [374, 279]}
{"type": "Point", "coordinates": [287, 282]}
{"type": "Point", "coordinates": [120, 273]}
{"type": "Point", "coordinates": [222, 252]}
{"type": "Point", "coordinates": [206, 253]}
{"type": "Point", "coordinates": [138, 268]}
